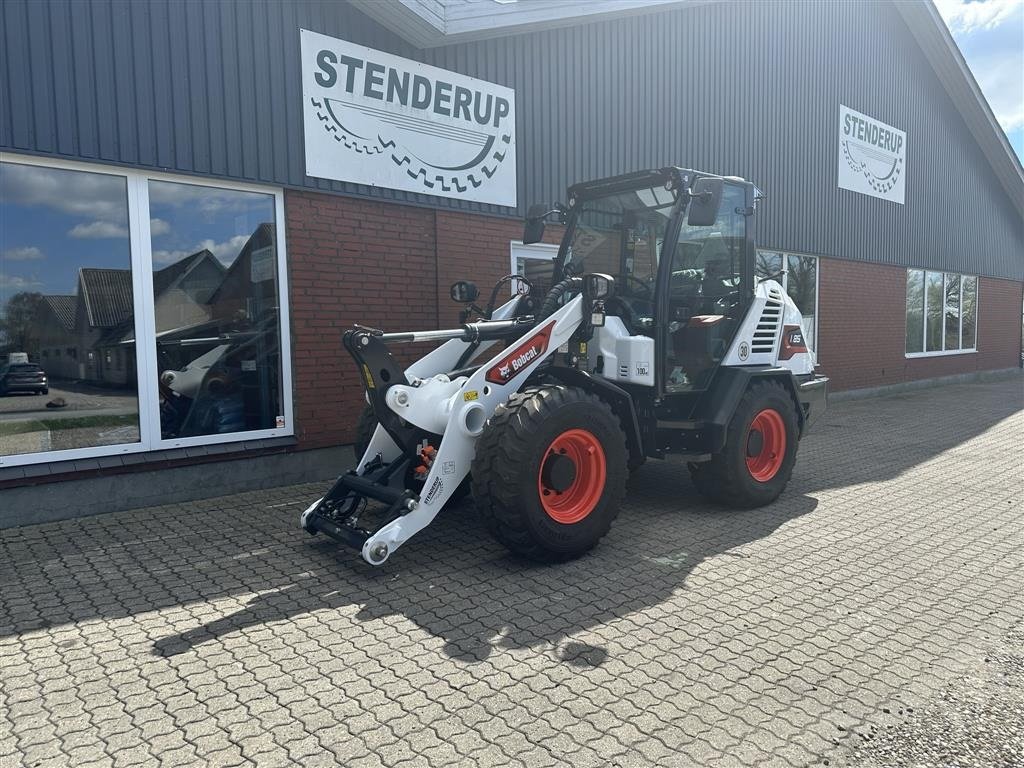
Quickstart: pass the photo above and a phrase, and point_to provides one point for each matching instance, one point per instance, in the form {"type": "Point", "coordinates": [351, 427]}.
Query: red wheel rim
{"type": "Point", "coordinates": [572, 496]}
{"type": "Point", "coordinates": [766, 445]}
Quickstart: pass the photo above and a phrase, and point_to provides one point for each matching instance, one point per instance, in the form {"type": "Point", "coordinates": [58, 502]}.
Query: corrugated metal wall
{"type": "Point", "coordinates": [751, 89]}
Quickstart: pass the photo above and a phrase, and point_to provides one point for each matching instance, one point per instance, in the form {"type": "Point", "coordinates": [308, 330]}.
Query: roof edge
{"type": "Point", "coordinates": [935, 39]}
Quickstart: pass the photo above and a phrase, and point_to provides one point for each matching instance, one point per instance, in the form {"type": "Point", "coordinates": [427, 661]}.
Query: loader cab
{"type": "Point", "coordinates": [687, 285]}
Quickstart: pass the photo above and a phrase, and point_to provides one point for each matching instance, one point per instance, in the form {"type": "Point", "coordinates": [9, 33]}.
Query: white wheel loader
{"type": "Point", "coordinates": [651, 337]}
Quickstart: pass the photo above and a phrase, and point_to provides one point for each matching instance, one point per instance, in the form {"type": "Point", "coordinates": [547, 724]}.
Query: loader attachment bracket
{"type": "Point", "coordinates": [379, 373]}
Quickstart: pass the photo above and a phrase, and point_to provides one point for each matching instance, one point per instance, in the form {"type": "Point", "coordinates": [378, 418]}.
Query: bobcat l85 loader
{"type": "Point", "coordinates": [652, 337]}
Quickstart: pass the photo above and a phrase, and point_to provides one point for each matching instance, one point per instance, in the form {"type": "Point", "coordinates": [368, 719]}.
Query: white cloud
{"type": "Point", "coordinates": [95, 196]}
{"type": "Point", "coordinates": [965, 16]}
{"type": "Point", "coordinates": [1000, 79]}
{"type": "Point", "coordinates": [96, 230]}
{"type": "Point", "coordinates": [158, 227]}
{"type": "Point", "coordinates": [15, 283]}
{"type": "Point", "coordinates": [210, 201]}
{"type": "Point", "coordinates": [23, 253]}
{"type": "Point", "coordinates": [225, 251]}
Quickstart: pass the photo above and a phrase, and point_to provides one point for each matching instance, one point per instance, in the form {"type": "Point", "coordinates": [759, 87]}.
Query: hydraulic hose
{"type": "Point", "coordinates": [558, 290]}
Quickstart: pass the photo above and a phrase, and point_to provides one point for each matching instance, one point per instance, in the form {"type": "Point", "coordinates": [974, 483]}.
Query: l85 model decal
{"type": "Point", "coordinates": [520, 358]}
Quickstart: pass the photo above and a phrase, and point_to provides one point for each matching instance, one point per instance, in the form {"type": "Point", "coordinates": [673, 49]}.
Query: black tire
{"type": "Point", "coordinates": [727, 478]}
{"type": "Point", "coordinates": [366, 425]}
{"type": "Point", "coordinates": [510, 454]}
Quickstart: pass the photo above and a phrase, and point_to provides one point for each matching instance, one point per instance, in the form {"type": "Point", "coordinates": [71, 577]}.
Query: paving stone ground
{"type": "Point", "coordinates": [873, 616]}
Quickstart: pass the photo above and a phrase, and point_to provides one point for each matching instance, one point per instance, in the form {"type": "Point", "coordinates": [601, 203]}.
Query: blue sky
{"type": "Point", "coordinates": [53, 222]}
{"type": "Point", "coordinates": [990, 34]}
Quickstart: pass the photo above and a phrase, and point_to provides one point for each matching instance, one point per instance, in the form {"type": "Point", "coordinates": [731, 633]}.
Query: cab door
{"type": "Point", "coordinates": [707, 294]}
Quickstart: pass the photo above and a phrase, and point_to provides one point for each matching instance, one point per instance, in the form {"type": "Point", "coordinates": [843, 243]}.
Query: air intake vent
{"type": "Point", "coordinates": [623, 370]}
{"type": "Point", "coordinates": [768, 326]}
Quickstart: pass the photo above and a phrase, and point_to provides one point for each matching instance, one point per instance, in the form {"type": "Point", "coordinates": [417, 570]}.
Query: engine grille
{"type": "Point", "coordinates": [768, 325]}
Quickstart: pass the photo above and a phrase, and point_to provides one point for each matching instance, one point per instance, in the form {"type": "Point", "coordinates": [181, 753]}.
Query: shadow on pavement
{"type": "Point", "coordinates": [453, 580]}
{"type": "Point", "coordinates": [457, 585]}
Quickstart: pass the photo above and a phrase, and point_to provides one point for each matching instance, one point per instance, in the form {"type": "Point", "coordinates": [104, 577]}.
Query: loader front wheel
{"type": "Point", "coordinates": [365, 427]}
{"type": "Point", "coordinates": [549, 472]}
{"type": "Point", "coordinates": [760, 450]}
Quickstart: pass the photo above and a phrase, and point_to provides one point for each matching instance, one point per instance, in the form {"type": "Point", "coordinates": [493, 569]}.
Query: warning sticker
{"type": "Point", "coordinates": [470, 395]}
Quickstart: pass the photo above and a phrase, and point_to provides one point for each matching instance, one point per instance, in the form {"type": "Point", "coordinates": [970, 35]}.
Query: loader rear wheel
{"type": "Point", "coordinates": [549, 472]}
{"type": "Point", "coordinates": [760, 450]}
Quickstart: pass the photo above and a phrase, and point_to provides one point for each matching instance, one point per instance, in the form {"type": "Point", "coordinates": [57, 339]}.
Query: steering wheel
{"type": "Point", "coordinates": [648, 291]}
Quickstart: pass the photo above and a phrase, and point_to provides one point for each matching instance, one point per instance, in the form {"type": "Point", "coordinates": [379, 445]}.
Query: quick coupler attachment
{"type": "Point", "coordinates": [341, 513]}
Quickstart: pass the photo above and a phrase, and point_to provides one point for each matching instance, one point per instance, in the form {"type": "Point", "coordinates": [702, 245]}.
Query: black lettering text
{"type": "Point", "coordinates": [420, 92]}
{"type": "Point", "coordinates": [501, 108]}
{"type": "Point", "coordinates": [398, 87]}
{"type": "Point", "coordinates": [442, 98]}
{"type": "Point", "coordinates": [350, 76]}
{"type": "Point", "coordinates": [374, 77]}
{"type": "Point", "coordinates": [328, 75]}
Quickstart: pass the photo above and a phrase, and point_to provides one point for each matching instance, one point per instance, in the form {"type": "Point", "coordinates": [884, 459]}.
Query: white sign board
{"type": "Point", "coordinates": [382, 120]}
{"type": "Point", "coordinates": [872, 156]}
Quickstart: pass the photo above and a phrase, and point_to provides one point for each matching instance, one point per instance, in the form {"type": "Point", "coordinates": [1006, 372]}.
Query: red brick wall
{"type": "Point", "coordinates": [862, 322]}
{"type": "Point", "coordinates": [390, 266]}
{"type": "Point", "coordinates": [383, 265]}
{"type": "Point", "coordinates": [350, 261]}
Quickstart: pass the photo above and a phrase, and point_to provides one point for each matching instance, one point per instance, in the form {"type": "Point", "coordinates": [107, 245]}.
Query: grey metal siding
{"type": "Point", "coordinates": [748, 89]}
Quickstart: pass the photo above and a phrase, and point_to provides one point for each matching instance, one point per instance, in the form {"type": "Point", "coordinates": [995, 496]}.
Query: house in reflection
{"type": "Point", "coordinates": [90, 335]}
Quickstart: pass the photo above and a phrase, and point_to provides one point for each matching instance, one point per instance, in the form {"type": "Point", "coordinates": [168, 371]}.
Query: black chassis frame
{"type": "Point", "coordinates": [691, 424]}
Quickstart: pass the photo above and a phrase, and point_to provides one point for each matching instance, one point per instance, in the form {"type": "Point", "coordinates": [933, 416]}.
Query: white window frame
{"type": "Point", "coordinates": [924, 325]}
{"type": "Point", "coordinates": [137, 182]}
{"type": "Point", "coordinates": [519, 250]}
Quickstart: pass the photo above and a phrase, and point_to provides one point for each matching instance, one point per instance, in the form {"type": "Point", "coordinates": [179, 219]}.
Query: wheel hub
{"type": "Point", "coordinates": [755, 443]}
{"type": "Point", "coordinates": [766, 445]}
{"type": "Point", "coordinates": [558, 472]}
{"type": "Point", "coordinates": [572, 476]}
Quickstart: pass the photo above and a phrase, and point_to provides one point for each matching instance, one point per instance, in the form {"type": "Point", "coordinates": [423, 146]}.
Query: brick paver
{"type": "Point", "coordinates": [806, 633]}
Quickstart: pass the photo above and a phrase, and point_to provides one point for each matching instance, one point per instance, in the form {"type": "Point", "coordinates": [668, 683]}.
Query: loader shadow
{"type": "Point", "coordinates": [455, 583]}
{"type": "Point", "coordinates": [459, 586]}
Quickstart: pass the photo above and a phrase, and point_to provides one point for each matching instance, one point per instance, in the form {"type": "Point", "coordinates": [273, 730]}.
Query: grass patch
{"type": "Point", "coordinates": [56, 425]}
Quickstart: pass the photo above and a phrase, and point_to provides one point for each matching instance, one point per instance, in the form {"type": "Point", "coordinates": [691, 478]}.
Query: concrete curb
{"type": "Point", "coordinates": [69, 499]}
{"type": "Point", "coordinates": [973, 377]}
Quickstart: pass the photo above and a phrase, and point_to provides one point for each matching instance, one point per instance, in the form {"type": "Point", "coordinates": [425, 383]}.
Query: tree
{"type": "Point", "coordinates": [21, 321]}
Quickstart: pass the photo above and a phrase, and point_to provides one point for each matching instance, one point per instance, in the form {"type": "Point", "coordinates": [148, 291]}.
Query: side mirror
{"type": "Point", "coordinates": [464, 292]}
{"type": "Point", "coordinates": [598, 286]}
{"type": "Point", "coordinates": [533, 229]}
{"type": "Point", "coordinates": [705, 200]}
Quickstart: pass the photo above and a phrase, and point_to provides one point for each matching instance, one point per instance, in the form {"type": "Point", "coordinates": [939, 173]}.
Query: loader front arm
{"type": "Point", "coordinates": [411, 409]}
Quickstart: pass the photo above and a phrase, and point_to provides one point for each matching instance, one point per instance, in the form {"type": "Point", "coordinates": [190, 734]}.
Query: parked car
{"type": "Point", "coordinates": [23, 377]}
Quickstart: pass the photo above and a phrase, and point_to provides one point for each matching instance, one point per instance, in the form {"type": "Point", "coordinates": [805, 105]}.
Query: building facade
{"type": "Point", "coordinates": [198, 198]}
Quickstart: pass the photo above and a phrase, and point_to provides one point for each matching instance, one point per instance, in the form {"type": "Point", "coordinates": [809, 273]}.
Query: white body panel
{"type": "Point", "coordinates": [759, 340]}
{"type": "Point", "coordinates": [626, 358]}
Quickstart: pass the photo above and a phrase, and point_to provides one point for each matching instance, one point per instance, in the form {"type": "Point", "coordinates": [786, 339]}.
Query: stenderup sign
{"type": "Point", "coordinates": [872, 156]}
{"type": "Point", "coordinates": [382, 120]}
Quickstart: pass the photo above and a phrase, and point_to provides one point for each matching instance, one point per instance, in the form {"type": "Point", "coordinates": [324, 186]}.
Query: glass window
{"type": "Point", "coordinates": [65, 283]}
{"type": "Point", "coordinates": [935, 301]}
{"type": "Point", "coordinates": [704, 302]}
{"type": "Point", "coordinates": [535, 262]}
{"type": "Point", "coordinates": [969, 312]}
{"type": "Point", "coordinates": [215, 294]}
{"type": "Point", "coordinates": [942, 308]}
{"type": "Point", "coordinates": [952, 311]}
{"type": "Point", "coordinates": [802, 287]}
{"type": "Point", "coordinates": [915, 310]}
{"type": "Point", "coordinates": [768, 265]}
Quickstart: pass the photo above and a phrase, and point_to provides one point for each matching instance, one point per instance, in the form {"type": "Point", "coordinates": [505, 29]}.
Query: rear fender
{"type": "Point", "coordinates": [719, 402]}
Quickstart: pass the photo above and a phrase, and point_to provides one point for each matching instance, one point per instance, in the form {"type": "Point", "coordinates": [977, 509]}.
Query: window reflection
{"type": "Point", "coordinates": [67, 315]}
{"type": "Point", "coordinates": [216, 308]}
